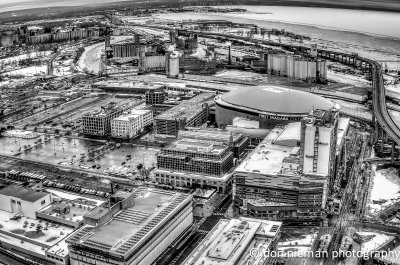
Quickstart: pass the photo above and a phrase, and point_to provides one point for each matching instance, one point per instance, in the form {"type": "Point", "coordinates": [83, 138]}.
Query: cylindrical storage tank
{"type": "Point", "coordinates": [173, 67]}
{"type": "Point", "coordinates": [276, 60]}
{"type": "Point", "coordinates": [270, 65]}
{"type": "Point", "coordinates": [311, 69]}
{"type": "Point", "coordinates": [282, 68]}
{"type": "Point", "coordinates": [289, 66]}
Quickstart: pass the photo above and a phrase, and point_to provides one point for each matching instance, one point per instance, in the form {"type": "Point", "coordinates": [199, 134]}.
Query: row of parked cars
{"type": "Point", "coordinates": [76, 188]}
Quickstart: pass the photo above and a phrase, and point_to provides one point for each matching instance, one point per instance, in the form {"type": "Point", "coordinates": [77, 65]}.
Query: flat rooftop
{"type": "Point", "coordinates": [22, 193]}
{"type": "Point", "coordinates": [24, 229]}
{"type": "Point", "coordinates": [187, 109]}
{"type": "Point", "coordinates": [230, 242]}
{"type": "Point", "coordinates": [270, 154]}
{"type": "Point", "coordinates": [121, 235]}
{"type": "Point", "coordinates": [343, 126]}
{"type": "Point", "coordinates": [180, 145]}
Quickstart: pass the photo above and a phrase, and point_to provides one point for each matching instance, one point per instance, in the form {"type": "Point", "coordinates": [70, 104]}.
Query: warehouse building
{"type": "Point", "coordinates": [17, 199]}
{"type": "Point", "coordinates": [136, 229]}
{"type": "Point", "coordinates": [237, 241]}
{"type": "Point", "coordinates": [190, 113]}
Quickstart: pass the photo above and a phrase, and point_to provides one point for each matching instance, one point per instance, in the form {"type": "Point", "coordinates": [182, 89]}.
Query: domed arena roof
{"type": "Point", "coordinates": [276, 100]}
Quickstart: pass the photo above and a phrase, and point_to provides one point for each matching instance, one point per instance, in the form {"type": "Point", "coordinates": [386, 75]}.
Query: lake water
{"type": "Point", "coordinates": [372, 34]}
{"type": "Point", "coordinates": [13, 5]}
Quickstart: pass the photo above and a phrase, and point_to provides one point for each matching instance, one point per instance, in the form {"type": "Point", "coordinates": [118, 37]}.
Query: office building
{"type": "Point", "coordinates": [200, 158]}
{"type": "Point", "coordinates": [98, 122]}
{"type": "Point", "coordinates": [155, 96]}
{"type": "Point", "coordinates": [131, 123]}
{"type": "Point", "coordinates": [190, 113]}
{"type": "Point", "coordinates": [135, 228]}
{"type": "Point", "coordinates": [235, 241]}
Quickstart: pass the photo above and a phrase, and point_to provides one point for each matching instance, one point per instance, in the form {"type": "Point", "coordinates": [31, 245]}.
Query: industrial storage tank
{"type": "Point", "coordinates": [311, 70]}
{"type": "Point", "coordinates": [321, 68]}
{"type": "Point", "coordinates": [290, 67]}
{"type": "Point", "coordinates": [173, 67]}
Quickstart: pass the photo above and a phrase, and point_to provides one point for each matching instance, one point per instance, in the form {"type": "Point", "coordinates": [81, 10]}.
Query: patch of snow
{"type": "Point", "coordinates": [376, 242]}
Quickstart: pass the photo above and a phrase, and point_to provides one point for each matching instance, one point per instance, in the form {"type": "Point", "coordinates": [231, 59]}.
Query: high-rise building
{"type": "Point", "coordinates": [318, 142]}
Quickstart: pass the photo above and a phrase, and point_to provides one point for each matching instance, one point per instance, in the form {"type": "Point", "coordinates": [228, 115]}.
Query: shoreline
{"type": "Point", "coordinates": [56, 11]}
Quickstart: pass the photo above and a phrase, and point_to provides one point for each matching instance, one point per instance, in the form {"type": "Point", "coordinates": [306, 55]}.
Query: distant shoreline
{"type": "Point", "coordinates": [63, 11]}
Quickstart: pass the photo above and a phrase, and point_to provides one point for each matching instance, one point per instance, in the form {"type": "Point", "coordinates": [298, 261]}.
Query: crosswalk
{"type": "Point", "coordinates": [202, 231]}
{"type": "Point", "coordinates": [221, 214]}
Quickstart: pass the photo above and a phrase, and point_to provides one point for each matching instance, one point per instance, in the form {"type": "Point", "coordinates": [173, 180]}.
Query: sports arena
{"type": "Point", "coordinates": [269, 105]}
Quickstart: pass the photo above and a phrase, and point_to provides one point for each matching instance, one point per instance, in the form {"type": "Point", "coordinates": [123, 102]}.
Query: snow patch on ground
{"type": "Point", "coordinates": [306, 240]}
{"type": "Point", "coordinates": [29, 71]}
{"type": "Point", "coordinates": [386, 186]}
{"type": "Point", "coordinates": [376, 242]}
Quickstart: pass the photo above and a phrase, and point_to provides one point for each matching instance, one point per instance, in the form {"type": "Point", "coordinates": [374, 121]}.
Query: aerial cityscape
{"type": "Point", "coordinates": [199, 132]}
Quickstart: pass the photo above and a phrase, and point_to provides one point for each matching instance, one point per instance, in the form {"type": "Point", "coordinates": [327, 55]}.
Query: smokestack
{"type": "Point", "coordinates": [112, 188]}
{"type": "Point", "coordinates": [229, 56]}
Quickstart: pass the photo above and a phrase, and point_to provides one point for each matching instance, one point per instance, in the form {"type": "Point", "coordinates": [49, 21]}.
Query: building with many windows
{"type": "Point", "coordinates": [200, 158]}
{"type": "Point", "coordinates": [190, 113]}
{"type": "Point", "coordinates": [131, 123]}
{"type": "Point", "coordinates": [237, 241]}
{"type": "Point", "coordinates": [136, 229]}
{"type": "Point", "coordinates": [98, 122]}
{"type": "Point", "coordinates": [290, 173]}
{"type": "Point", "coordinates": [155, 96]}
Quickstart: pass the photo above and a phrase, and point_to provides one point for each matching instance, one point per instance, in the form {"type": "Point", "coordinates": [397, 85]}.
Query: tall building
{"type": "Point", "coordinates": [134, 229]}
{"type": "Point", "coordinates": [237, 241]}
{"type": "Point", "coordinates": [289, 175]}
{"type": "Point", "coordinates": [98, 122]}
{"type": "Point", "coordinates": [131, 123]}
{"type": "Point", "coordinates": [190, 113]}
{"type": "Point", "coordinates": [200, 158]}
{"type": "Point", "coordinates": [318, 142]}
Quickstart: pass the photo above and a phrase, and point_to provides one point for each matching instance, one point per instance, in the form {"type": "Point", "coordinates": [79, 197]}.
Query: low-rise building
{"type": "Point", "coordinates": [26, 202]}
{"type": "Point", "coordinates": [190, 113]}
{"type": "Point", "coordinates": [131, 123]}
{"type": "Point", "coordinates": [237, 241]}
{"type": "Point", "coordinates": [136, 229]}
{"type": "Point", "coordinates": [24, 234]}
